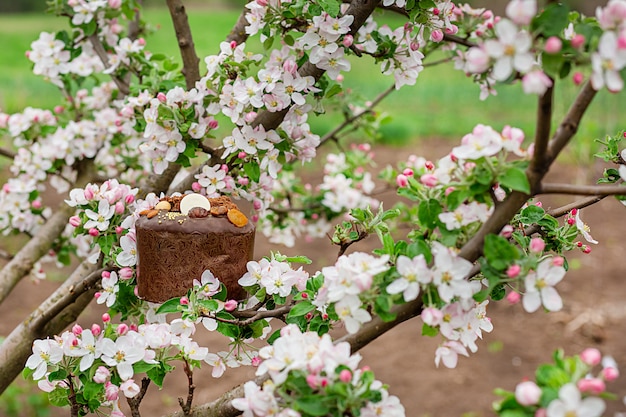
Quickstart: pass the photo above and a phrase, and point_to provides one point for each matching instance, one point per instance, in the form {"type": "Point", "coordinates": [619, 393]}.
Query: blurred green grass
{"type": "Point", "coordinates": [442, 104]}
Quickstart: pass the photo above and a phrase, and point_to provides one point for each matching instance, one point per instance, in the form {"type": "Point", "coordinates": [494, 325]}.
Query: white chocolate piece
{"type": "Point", "coordinates": [194, 200]}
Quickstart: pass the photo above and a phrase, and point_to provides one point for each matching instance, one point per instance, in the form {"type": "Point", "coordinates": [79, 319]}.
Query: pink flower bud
{"type": "Point", "coordinates": [621, 41]}
{"type": "Point", "coordinates": [539, 204]}
{"type": "Point", "coordinates": [129, 199]}
{"type": "Point", "coordinates": [339, 78]}
{"type": "Point", "coordinates": [101, 375]}
{"type": "Point", "coordinates": [414, 46]}
{"type": "Point", "coordinates": [324, 382]}
{"type": "Point", "coordinates": [449, 190]}
{"type": "Point", "coordinates": [348, 40]}
{"type": "Point", "coordinates": [429, 180]}
{"type": "Point", "coordinates": [213, 124]}
{"type": "Point", "coordinates": [184, 301]}
{"type": "Point", "coordinates": [513, 271]}
{"type": "Point", "coordinates": [119, 207]}
{"type": "Point", "coordinates": [141, 42]}
{"type": "Point", "coordinates": [315, 216]}
{"type": "Point", "coordinates": [161, 97]}
{"type": "Point", "coordinates": [527, 393]}
{"type": "Point", "coordinates": [586, 250]}
{"type": "Point", "coordinates": [196, 186]}
{"type": "Point", "coordinates": [304, 295]}
{"type": "Point", "coordinates": [233, 44]}
{"type": "Point", "coordinates": [257, 204]}
{"type": "Point", "coordinates": [106, 274]}
{"type": "Point", "coordinates": [243, 181]}
{"type": "Point", "coordinates": [241, 155]}
{"type": "Point", "coordinates": [77, 330]}
{"type": "Point", "coordinates": [436, 35]}
{"type": "Point", "coordinates": [408, 172]}
{"type": "Point", "coordinates": [553, 45]}
{"type": "Point", "coordinates": [571, 221]}
{"type": "Point", "coordinates": [261, 3]}
{"type": "Point", "coordinates": [591, 356]}
{"type": "Point", "coordinates": [324, 316]}
{"type": "Point", "coordinates": [75, 221]}
{"type": "Point", "coordinates": [115, 4]}
{"type": "Point", "coordinates": [111, 392]}
{"type": "Point", "coordinates": [592, 385]}
{"type": "Point", "coordinates": [429, 165]}
{"type": "Point", "coordinates": [507, 231]}
{"type": "Point", "coordinates": [541, 412]}
{"type": "Point", "coordinates": [558, 261]}
{"type": "Point", "coordinates": [312, 381]}
{"type": "Point", "coordinates": [610, 374]}
{"type": "Point", "coordinates": [230, 305]}
{"type": "Point", "coordinates": [537, 245]}
{"type": "Point", "coordinates": [345, 376]}
{"type": "Point", "coordinates": [250, 116]}
{"type": "Point", "coordinates": [255, 218]}
{"type": "Point", "coordinates": [95, 329]}
{"type": "Point", "coordinates": [88, 193]}
{"type": "Point", "coordinates": [402, 180]}
{"type": "Point", "coordinates": [513, 297]}
{"type": "Point", "coordinates": [122, 329]}
{"type": "Point", "coordinates": [579, 244]}
{"type": "Point", "coordinates": [118, 230]}
{"type": "Point", "coordinates": [59, 109]}
{"type": "Point", "coordinates": [133, 327]}
{"type": "Point", "coordinates": [436, 11]}
{"type": "Point", "coordinates": [432, 316]}
{"type": "Point", "coordinates": [125, 273]}
{"type": "Point", "coordinates": [578, 78]}
{"type": "Point", "coordinates": [308, 316]}
{"type": "Point", "coordinates": [94, 232]}
{"type": "Point", "coordinates": [256, 361]}
{"type": "Point", "coordinates": [106, 318]}
{"type": "Point", "coordinates": [578, 41]}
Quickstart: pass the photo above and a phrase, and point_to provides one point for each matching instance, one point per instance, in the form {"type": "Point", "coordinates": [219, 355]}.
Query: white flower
{"type": "Point", "coordinates": [100, 220]}
{"type": "Point", "coordinates": [540, 287]}
{"type": "Point", "coordinates": [109, 290]}
{"type": "Point", "coordinates": [536, 82]}
{"type": "Point", "coordinates": [483, 141]}
{"type": "Point", "coordinates": [44, 352]}
{"type": "Point", "coordinates": [607, 63]}
{"type": "Point", "coordinates": [350, 312]}
{"type": "Point", "coordinates": [448, 353]}
{"type": "Point", "coordinates": [122, 354]}
{"type": "Point", "coordinates": [128, 256]}
{"type": "Point", "coordinates": [412, 271]}
{"type": "Point", "coordinates": [584, 229]}
{"type": "Point", "coordinates": [511, 50]}
{"type": "Point", "coordinates": [521, 11]}
{"type": "Point", "coordinates": [570, 404]}
{"type": "Point", "coordinates": [449, 274]}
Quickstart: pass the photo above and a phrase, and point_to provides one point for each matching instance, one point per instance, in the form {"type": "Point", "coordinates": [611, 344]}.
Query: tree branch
{"type": "Point", "coordinates": [7, 153]}
{"type": "Point", "coordinates": [99, 49]}
{"type": "Point", "coordinates": [542, 133]}
{"type": "Point", "coordinates": [238, 32]}
{"type": "Point", "coordinates": [191, 62]}
{"type": "Point", "coordinates": [186, 405]}
{"type": "Point", "coordinates": [595, 190]}
{"type": "Point", "coordinates": [134, 402]}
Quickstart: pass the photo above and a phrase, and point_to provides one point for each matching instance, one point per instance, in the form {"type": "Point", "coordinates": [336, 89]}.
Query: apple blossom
{"type": "Point", "coordinates": [527, 393]}
{"type": "Point", "coordinates": [540, 287]}
{"type": "Point", "coordinates": [570, 401]}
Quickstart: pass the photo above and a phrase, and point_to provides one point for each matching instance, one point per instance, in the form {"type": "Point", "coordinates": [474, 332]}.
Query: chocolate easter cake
{"type": "Point", "coordinates": [183, 236]}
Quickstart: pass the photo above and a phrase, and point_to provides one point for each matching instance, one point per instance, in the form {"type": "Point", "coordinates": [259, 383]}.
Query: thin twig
{"type": "Point", "coordinates": [563, 210]}
{"type": "Point", "coordinates": [7, 153]}
{"type": "Point", "coordinates": [134, 402]}
{"type": "Point", "coordinates": [74, 406]}
{"type": "Point", "coordinates": [542, 133]}
{"type": "Point", "coordinates": [186, 405]}
{"type": "Point", "coordinates": [595, 190]}
{"type": "Point", "coordinates": [257, 315]}
{"type": "Point", "coordinates": [100, 51]}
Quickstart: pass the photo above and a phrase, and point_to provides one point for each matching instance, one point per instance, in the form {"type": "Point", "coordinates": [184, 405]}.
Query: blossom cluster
{"type": "Point", "coordinates": [309, 375]}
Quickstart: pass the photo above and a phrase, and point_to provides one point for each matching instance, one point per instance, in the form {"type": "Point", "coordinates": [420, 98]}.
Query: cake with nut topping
{"type": "Point", "coordinates": [183, 236]}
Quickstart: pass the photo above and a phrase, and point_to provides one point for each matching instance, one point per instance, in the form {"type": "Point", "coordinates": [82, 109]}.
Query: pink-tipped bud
{"type": "Point", "coordinates": [96, 329]}
{"type": "Point", "coordinates": [75, 221]}
{"type": "Point", "coordinates": [243, 181]}
{"type": "Point", "coordinates": [586, 250]}
{"type": "Point", "coordinates": [553, 45]}
{"type": "Point", "coordinates": [213, 124]}
{"type": "Point", "coordinates": [256, 361]}
{"type": "Point", "coordinates": [106, 274]}
{"type": "Point", "coordinates": [255, 218]}
{"type": "Point", "coordinates": [537, 245]}
{"type": "Point", "coordinates": [513, 297]}
{"type": "Point", "coordinates": [161, 97]}
{"type": "Point", "coordinates": [527, 393]}
{"type": "Point", "coordinates": [558, 261]}
{"type": "Point", "coordinates": [88, 192]}
{"type": "Point", "coordinates": [304, 295]}
{"type": "Point", "coordinates": [249, 117]}
{"type": "Point", "coordinates": [414, 46]}
{"type": "Point", "coordinates": [408, 172]}
{"type": "Point", "coordinates": [402, 180]}
{"type": "Point", "coordinates": [429, 180]}
{"type": "Point", "coordinates": [122, 329]}
{"type": "Point", "coordinates": [610, 374]}
{"type": "Point", "coordinates": [348, 40]}
{"type": "Point", "coordinates": [129, 199]}
{"type": "Point", "coordinates": [196, 186]}
{"type": "Point", "coordinates": [513, 271]}
{"type": "Point", "coordinates": [233, 44]}
{"type": "Point", "coordinates": [429, 165]}
{"type": "Point", "coordinates": [106, 318]}
{"type": "Point", "coordinates": [115, 4]}
{"type": "Point", "coordinates": [59, 109]}
{"type": "Point", "coordinates": [578, 78]}
{"type": "Point", "coordinates": [230, 305]}
{"type": "Point", "coordinates": [452, 30]}
{"type": "Point", "coordinates": [77, 330]}
{"type": "Point", "coordinates": [312, 381]}
{"type": "Point", "coordinates": [184, 301]}
{"type": "Point", "coordinates": [141, 42]}
{"type": "Point", "coordinates": [539, 204]}
{"type": "Point", "coordinates": [579, 244]}
{"type": "Point", "coordinates": [308, 316]}
{"type": "Point", "coordinates": [594, 386]}
{"type": "Point", "coordinates": [315, 216]}
{"type": "Point", "coordinates": [436, 11]}
{"type": "Point", "coordinates": [261, 3]}
{"type": "Point", "coordinates": [101, 375]}
{"type": "Point", "coordinates": [242, 155]}
{"type": "Point", "coordinates": [578, 41]}
{"type": "Point", "coordinates": [621, 41]}
{"type": "Point", "coordinates": [133, 327]}
{"type": "Point", "coordinates": [119, 207]}
{"type": "Point", "coordinates": [571, 221]}
{"type": "Point", "coordinates": [507, 231]}
{"type": "Point", "coordinates": [449, 190]}
{"type": "Point", "coordinates": [111, 391]}
{"type": "Point", "coordinates": [119, 230]}
{"type": "Point", "coordinates": [591, 356]}
{"type": "Point", "coordinates": [345, 376]}
{"type": "Point", "coordinates": [324, 316]}
{"type": "Point", "coordinates": [436, 35]}
{"type": "Point", "coordinates": [432, 316]}
{"type": "Point", "coordinates": [94, 232]}
{"type": "Point", "coordinates": [257, 204]}
{"type": "Point", "coordinates": [339, 78]}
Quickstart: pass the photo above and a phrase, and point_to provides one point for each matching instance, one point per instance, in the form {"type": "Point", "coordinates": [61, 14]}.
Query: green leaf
{"type": "Point", "coordinates": [531, 214]}
{"type": "Point", "coordinates": [58, 397]}
{"type": "Point", "coordinates": [382, 308]}
{"type": "Point", "coordinates": [551, 376]}
{"type": "Point", "coordinates": [552, 21]}
{"type": "Point", "coordinates": [143, 367]}
{"type": "Point", "coordinates": [429, 330]}
{"type": "Point", "coordinates": [170, 306]}
{"type": "Point", "coordinates": [515, 179]}
{"type": "Point", "coordinates": [333, 90]}
{"type": "Point", "coordinates": [252, 170]}
{"type": "Point", "coordinates": [311, 406]}
{"type": "Point", "coordinates": [428, 213]}
{"type": "Point", "coordinates": [58, 375]}
{"type": "Point", "coordinates": [552, 64]}
{"type": "Point", "coordinates": [499, 252]}
{"type": "Point", "coordinates": [331, 7]}
{"type": "Point", "coordinates": [301, 308]}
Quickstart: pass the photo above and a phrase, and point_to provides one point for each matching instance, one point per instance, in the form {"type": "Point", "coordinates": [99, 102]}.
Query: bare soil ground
{"type": "Point", "coordinates": [594, 315]}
